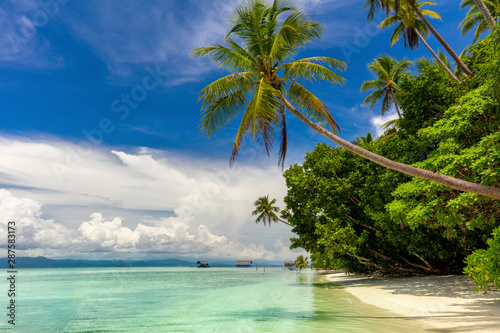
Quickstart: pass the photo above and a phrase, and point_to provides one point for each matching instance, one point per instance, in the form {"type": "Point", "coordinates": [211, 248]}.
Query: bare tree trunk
{"type": "Point", "coordinates": [437, 57]}
{"type": "Point", "coordinates": [397, 109]}
{"type": "Point", "coordinates": [454, 183]}
{"type": "Point", "coordinates": [285, 222]}
{"type": "Point", "coordinates": [486, 13]}
{"type": "Point", "coordinates": [448, 48]}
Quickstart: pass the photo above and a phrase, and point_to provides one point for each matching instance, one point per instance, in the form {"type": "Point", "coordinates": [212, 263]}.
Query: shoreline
{"type": "Point", "coordinates": [442, 303]}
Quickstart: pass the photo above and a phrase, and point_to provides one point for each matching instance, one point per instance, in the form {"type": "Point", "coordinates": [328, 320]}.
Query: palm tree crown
{"type": "Point", "coordinates": [407, 22]}
{"type": "Point", "coordinates": [266, 211]}
{"type": "Point", "coordinates": [264, 74]}
{"type": "Point", "coordinates": [301, 263]}
{"type": "Point", "coordinates": [411, 27]}
{"type": "Point", "coordinates": [387, 72]}
{"type": "Point", "coordinates": [397, 5]}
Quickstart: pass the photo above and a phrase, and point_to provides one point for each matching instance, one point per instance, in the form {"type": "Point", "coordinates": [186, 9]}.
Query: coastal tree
{"type": "Point", "coordinates": [266, 211]}
{"type": "Point", "coordinates": [335, 201]}
{"type": "Point", "coordinates": [265, 83]}
{"type": "Point", "coordinates": [387, 72]}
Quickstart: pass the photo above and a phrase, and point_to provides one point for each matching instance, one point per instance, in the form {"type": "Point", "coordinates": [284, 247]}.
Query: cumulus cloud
{"type": "Point", "coordinates": [98, 235]}
{"type": "Point", "coordinates": [378, 122]}
{"type": "Point", "coordinates": [161, 203]}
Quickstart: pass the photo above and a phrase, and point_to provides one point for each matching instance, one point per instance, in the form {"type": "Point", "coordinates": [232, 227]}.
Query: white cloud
{"type": "Point", "coordinates": [170, 237]}
{"type": "Point", "coordinates": [199, 207]}
{"type": "Point", "coordinates": [21, 41]}
{"type": "Point", "coordinates": [378, 122]}
{"type": "Point", "coordinates": [128, 35]}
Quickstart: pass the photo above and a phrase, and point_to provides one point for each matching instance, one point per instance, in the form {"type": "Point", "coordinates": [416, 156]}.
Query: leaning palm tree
{"type": "Point", "coordinates": [264, 77]}
{"type": "Point", "coordinates": [475, 18]}
{"type": "Point", "coordinates": [265, 83]}
{"type": "Point", "coordinates": [412, 29]}
{"type": "Point", "coordinates": [387, 71]}
{"type": "Point", "coordinates": [396, 5]}
{"type": "Point", "coordinates": [266, 211]}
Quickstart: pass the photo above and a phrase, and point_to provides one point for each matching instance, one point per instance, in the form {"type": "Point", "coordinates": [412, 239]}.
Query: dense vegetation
{"type": "Point", "coordinates": [350, 213]}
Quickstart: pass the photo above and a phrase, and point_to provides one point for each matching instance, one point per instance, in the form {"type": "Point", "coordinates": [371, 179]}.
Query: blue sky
{"type": "Point", "coordinates": [100, 152]}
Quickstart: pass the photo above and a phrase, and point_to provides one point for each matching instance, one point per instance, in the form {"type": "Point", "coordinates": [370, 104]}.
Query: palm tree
{"type": "Point", "coordinates": [412, 29]}
{"type": "Point", "coordinates": [481, 6]}
{"type": "Point", "coordinates": [476, 18]}
{"type": "Point", "coordinates": [387, 72]}
{"type": "Point", "coordinates": [364, 140]}
{"type": "Point", "coordinates": [396, 5]}
{"type": "Point", "coordinates": [266, 211]}
{"type": "Point", "coordinates": [301, 263]}
{"type": "Point", "coordinates": [267, 46]}
{"type": "Point", "coordinates": [263, 76]}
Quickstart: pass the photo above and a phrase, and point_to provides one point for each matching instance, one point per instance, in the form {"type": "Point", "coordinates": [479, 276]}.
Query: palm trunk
{"type": "Point", "coordinates": [397, 109]}
{"type": "Point", "coordinates": [285, 222]}
{"type": "Point", "coordinates": [454, 183]}
{"type": "Point", "coordinates": [486, 13]}
{"type": "Point", "coordinates": [437, 57]}
{"type": "Point", "coordinates": [455, 57]}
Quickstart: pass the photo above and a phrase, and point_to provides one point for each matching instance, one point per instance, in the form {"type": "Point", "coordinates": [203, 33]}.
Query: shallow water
{"type": "Point", "coordinates": [184, 299]}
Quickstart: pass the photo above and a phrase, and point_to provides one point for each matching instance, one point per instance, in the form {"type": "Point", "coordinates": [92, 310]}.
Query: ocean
{"type": "Point", "coordinates": [189, 299]}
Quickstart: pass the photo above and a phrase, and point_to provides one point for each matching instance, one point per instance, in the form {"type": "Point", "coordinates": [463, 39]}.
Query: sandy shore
{"type": "Point", "coordinates": [442, 303]}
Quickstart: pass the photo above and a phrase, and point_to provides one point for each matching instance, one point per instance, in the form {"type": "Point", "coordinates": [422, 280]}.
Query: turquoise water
{"type": "Point", "coordinates": [190, 300]}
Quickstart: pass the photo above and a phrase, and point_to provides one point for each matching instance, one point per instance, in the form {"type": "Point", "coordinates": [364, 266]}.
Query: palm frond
{"type": "Point", "coordinates": [373, 98]}
{"type": "Point", "coordinates": [259, 118]}
{"type": "Point", "coordinates": [309, 70]}
{"type": "Point", "coordinates": [222, 112]}
{"type": "Point", "coordinates": [295, 31]}
{"type": "Point", "coordinates": [225, 86]}
{"type": "Point", "coordinates": [226, 57]}
{"type": "Point", "coordinates": [311, 106]}
{"type": "Point", "coordinates": [372, 84]}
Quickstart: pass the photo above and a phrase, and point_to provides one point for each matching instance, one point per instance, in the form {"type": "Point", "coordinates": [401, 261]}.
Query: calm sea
{"type": "Point", "coordinates": [189, 300]}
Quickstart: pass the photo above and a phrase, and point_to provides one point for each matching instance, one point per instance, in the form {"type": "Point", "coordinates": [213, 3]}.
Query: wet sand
{"type": "Point", "coordinates": [441, 303]}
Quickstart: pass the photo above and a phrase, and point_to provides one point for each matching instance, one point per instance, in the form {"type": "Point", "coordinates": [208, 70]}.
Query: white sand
{"type": "Point", "coordinates": [443, 303]}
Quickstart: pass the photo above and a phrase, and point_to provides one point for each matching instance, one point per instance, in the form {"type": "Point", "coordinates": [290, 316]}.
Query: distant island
{"type": "Point", "coordinates": [43, 262]}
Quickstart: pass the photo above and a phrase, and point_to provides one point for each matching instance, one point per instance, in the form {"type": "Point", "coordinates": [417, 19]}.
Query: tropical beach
{"type": "Point", "coordinates": [250, 166]}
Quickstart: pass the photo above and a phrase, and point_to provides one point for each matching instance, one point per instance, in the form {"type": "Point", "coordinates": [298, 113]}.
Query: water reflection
{"type": "Point", "coordinates": [335, 310]}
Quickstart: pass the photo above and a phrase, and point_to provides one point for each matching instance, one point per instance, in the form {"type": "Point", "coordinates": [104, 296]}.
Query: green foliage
{"type": "Point", "coordinates": [484, 264]}
{"type": "Point", "coordinates": [335, 203]}
{"type": "Point", "coordinates": [425, 98]}
{"type": "Point", "coordinates": [352, 214]}
{"type": "Point", "coordinates": [468, 148]}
